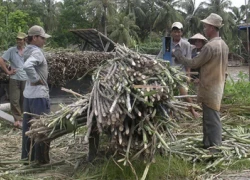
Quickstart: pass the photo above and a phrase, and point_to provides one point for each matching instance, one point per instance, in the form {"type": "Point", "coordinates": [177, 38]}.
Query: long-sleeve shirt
{"type": "Point", "coordinates": [212, 61]}
{"type": "Point", "coordinates": [37, 70]}
{"type": "Point", "coordinates": [185, 48]}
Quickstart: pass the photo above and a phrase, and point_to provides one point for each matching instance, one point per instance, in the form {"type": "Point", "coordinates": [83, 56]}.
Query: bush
{"type": "Point", "coordinates": [237, 92]}
{"type": "Point", "coordinates": [150, 48]}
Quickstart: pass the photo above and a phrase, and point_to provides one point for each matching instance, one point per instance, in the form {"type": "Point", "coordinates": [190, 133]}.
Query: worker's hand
{"type": "Point", "coordinates": [177, 53]}
{"type": "Point", "coordinates": [196, 81]}
{"type": "Point", "coordinates": [11, 72]}
{"type": "Point", "coordinates": [40, 82]}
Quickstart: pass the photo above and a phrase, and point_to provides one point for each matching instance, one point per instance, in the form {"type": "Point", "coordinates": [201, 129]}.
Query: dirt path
{"type": "Point", "coordinates": [234, 71]}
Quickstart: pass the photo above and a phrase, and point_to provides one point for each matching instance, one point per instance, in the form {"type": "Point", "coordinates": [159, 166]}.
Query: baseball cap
{"type": "Point", "coordinates": [177, 24]}
{"type": "Point", "coordinates": [37, 31]}
{"type": "Point", "coordinates": [21, 35]}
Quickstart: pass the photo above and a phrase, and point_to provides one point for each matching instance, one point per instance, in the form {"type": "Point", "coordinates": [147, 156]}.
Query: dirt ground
{"type": "Point", "coordinates": [234, 71]}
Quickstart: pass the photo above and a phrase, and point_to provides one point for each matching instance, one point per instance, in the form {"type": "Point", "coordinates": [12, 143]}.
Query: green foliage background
{"type": "Point", "coordinates": [138, 24]}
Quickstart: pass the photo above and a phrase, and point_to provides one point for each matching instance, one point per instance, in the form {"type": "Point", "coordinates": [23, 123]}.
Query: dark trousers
{"type": "Point", "coordinates": [212, 128]}
{"type": "Point", "coordinates": [39, 151]}
{"type": "Point", "coordinates": [16, 88]}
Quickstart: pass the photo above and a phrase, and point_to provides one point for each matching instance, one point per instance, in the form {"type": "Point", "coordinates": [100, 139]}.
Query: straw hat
{"type": "Point", "coordinates": [21, 35]}
{"type": "Point", "coordinates": [198, 36]}
{"type": "Point", "coordinates": [214, 20]}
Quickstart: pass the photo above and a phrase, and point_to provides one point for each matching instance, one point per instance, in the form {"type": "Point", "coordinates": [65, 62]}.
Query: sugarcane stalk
{"type": "Point", "coordinates": [72, 92]}
{"type": "Point", "coordinates": [114, 104]}
{"type": "Point", "coordinates": [145, 173]}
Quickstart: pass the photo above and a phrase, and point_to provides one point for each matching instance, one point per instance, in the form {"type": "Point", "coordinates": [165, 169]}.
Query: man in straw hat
{"type": "Point", "coordinates": [212, 61]}
{"type": "Point", "coordinates": [14, 56]}
{"type": "Point", "coordinates": [36, 93]}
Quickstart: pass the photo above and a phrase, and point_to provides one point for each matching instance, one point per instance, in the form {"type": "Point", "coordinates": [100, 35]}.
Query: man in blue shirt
{"type": "Point", "coordinates": [14, 56]}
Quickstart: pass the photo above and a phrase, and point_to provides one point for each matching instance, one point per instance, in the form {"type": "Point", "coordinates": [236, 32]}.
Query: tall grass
{"type": "Point", "coordinates": [164, 168]}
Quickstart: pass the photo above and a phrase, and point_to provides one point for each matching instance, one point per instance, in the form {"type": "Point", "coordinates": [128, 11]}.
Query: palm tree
{"type": "Point", "coordinates": [144, 14]}
{"type": "Point", "coordinates": [167, 14]}
{"type": "Point", "coordinates": [192, 23]}
{"type": "Point", "coordinates": [217, 6]}
{"type": "Point", "coordinates": [238, 14]}
{"type": "Point", "coordinates": [100, 10]}
{"type": "Point", "coordinates": [123, 29]}
{"type": "Point", "coordinates": [50, 15]}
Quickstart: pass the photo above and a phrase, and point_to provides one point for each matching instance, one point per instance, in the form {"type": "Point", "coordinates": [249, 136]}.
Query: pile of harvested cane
{"type": "Point", "coordinates": [132, 98]}
{"type": "Point", "coordinates": [235, 146]}
{"type": "Point", "coordinates": [65, 66]}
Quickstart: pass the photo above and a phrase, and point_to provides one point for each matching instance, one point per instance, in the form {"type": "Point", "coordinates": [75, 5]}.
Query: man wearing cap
{"type": "Point", "coordinates": [212, 61]}
{"type": "Point", "coordinates": [36, 92]}
{"type": "Point", "coordinates": [14, 56]}
{"type": "Point", "coordinates": [179, 43]}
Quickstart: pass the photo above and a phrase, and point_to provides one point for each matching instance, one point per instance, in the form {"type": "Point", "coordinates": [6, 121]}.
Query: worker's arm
{"type": "Point", "coordinates": [189, 56]}
{"type": "Point", "coordinates": [6, 70]}
{"type": "Point", "coordinates": [202, 58]}
{"type": "Point", "coordinates": [34, 60]}
{"type": "Point", "coordinates": [7, 57]}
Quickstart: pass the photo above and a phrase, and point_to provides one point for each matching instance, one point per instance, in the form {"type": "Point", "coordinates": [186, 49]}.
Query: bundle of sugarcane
{"type": "Point", "coordinates": [131, 98]}
{"type": "Point", "coordinates": [65, 66]}
{"type": "Point", "coordinates": [66, 120]}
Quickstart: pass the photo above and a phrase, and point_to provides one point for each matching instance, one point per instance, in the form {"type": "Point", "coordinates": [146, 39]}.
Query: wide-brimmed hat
{"type": "Point", "coordinates": [21, 35]}
{"type": "Point", "coordinates": [214, 20]}
{"type": "Point", "coordinates": [197, 36]}
{"type": "Point", "coordinates": [177, 24]}
{"type": "Point", "coordinates": [37, 31]}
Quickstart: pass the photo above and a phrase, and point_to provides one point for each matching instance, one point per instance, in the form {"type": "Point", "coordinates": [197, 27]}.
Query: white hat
{"type": "Point", "coordinates": [198, 36]}
{"type": "Point", "coordinates": [214, 20]}
{"type": "Point", "coordinates": [178, 25]}
{"type": "Point", "coordinates": [37, 30]}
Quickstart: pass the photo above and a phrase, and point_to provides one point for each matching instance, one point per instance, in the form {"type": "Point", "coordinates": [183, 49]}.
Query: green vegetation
{"type": "Point", "coordinates": [135, 23]}
{"type": "Point", "coordinates": [237, 92]}
{"type": "Point", "coordinates": [162, 169]}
